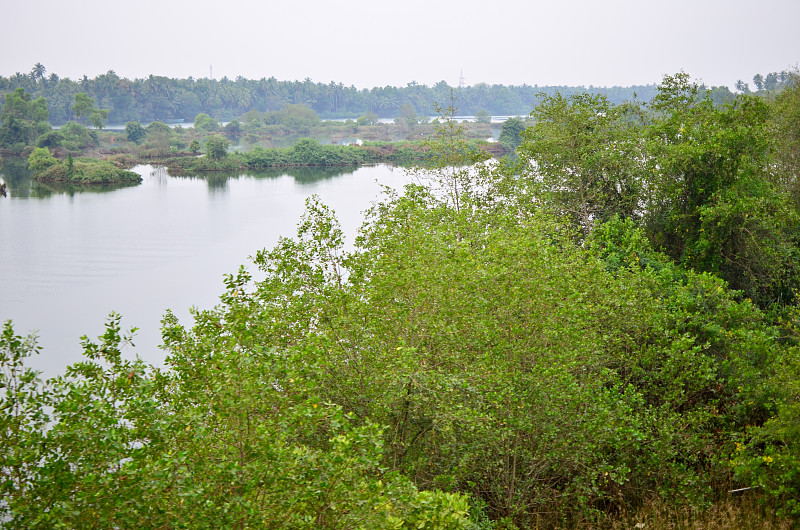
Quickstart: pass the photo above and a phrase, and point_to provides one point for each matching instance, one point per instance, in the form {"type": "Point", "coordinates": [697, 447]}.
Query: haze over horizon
{"type": "Point", "coordinates": [367, 44]}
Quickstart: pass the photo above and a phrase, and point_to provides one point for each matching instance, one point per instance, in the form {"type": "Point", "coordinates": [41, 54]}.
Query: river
{"type": "Point", "coordinates": [71, 256]}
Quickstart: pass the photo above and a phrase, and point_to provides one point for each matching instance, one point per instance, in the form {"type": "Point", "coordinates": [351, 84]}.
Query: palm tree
{"type": "Point", "coordinates": [37, 72]}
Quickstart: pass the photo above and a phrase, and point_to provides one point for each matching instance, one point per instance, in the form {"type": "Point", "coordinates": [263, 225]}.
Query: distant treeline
{"type": "Point", "coordinates": [158, 98]}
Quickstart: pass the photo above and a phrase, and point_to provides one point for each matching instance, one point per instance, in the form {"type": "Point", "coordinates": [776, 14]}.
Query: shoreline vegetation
{"type": "Point", "coordinates": [82, 170]}
{"type": "Point", "coordinates": [109, 153]}
{"type": "Point", "coordinates": [601, 331]}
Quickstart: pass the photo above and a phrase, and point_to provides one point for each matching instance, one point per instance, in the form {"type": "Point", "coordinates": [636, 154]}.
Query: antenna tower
{"type": "Point", "coordinates": [462, 81]}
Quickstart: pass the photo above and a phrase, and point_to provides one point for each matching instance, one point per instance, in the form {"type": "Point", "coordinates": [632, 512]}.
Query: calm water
{"type": "Point", "coordinates": [69, 257]}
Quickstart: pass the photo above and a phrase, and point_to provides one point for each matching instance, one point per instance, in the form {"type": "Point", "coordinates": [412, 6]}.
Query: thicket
{"type": "Point", "coordinates": [507, 344]}
{"type": "Point", "coordinates": [307, 152]}
{"type": "Point", "coordinates": [47, 168]}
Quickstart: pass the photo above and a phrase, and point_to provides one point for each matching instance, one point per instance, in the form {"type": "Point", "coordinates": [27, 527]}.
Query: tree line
{"type": "Point", "coordinates": [159, 98]}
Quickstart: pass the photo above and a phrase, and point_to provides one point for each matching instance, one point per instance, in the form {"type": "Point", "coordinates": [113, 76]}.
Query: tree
{"type": "Point", "coordinates": [135, 132]}
{"type": "Point", "coordinates": [483, 116]}
{"type": "Point", "coordinates": [771, 81]}
{"type": "Point", "coordinates": [217, 147]}
{"type": "Point", "coordinates": [204, 122]}
{"type": "Point", "coordinates": [585, 158]}
{"type": "Point", "coordinates": [453, 169]}
{"type": "Point", "coordinates": [84, 108]}
{"type": "Point", "coordinates": [233, 127]}
{"type": "Point", "coordinates": [408, 115]}
{"type": "Point", "coordinates": [785, 131]}
{"type": "Point", "coordinates": [22, 120]}
{"type": "Point", "coordinates": [158, 136]}
{"type": "Point", "coordinates": [743, 87]}
{"type": "Point", "coordinates": [76, 137]}
{"type": "Point", "coordinates": [712, 206]}
{"type": "Point", "coordinates": [368, 118]}
{"type": "Point", "coordinates": [298, 117]}
{"type": "Point", "coordinates": [38, 71]}
{"type": "Point", "coordinates": [511, 133]}
{"type": "Point", "coordinates": [758, 81]}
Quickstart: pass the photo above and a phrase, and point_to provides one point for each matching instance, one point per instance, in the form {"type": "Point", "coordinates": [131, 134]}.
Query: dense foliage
{"type": "Point", "coordinates": [159, 98]}
{"type": "Point", "coordinates": [550, 341]}
{"type": "Point", "coordinates": [47, 168]}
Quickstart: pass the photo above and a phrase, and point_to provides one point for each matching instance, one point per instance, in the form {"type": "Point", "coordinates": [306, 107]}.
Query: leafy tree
{"type": "Point", "coordinates": [767, 456]}
{"type": "Point", "coordinates": [253, 119]}
{"type": "Point", "coordinates": [453, 169]}
{"type": "Point", "coordinates": [743, 87]}
{"type": "Point", "coordinates": [204, 122]}
{"type": "Point", "coordinates": [784, 127]}
{"type": "Point", "coordinates": [368, 118]}
{"type": "Point", "coordinates": [194, 147]}
{"type": "Point", "coordinates": [23, 120]}
{"type": "Point", "coordinates": [158, 137]}
{"type": "Point", "coordinates": [713, 208]}
{"type": "Point", "coordinates": [76, 137]}
{"type": "Point", "coordinates": [113, 443]}
{"type": "Point", "coordinates": [308, 151]}
{"type": "Point", "coordinates": [135, 132]}
{"type": "Point", "coordinates": [408, 115]}
{"type": "Point", "coordinates": [586, 157]}
{"type": "Point", "coordinates": [50, 139]}
{"type": "Point", "coordinates": [84, 108]}
{"type": "Point", "coordinates": [483, 116]}
{"type": "Point", "coordinates": [298, 117]}
{"type": "Point", "coordinates": [233, 127]}
{"type": "Point", "coordinates": [217, 147]}
{"type": "Point", "coordinates": [511, 133]}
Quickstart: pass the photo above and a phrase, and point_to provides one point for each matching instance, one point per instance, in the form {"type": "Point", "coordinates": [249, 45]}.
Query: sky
{"type": "Point", "coordinates": [369, 43]}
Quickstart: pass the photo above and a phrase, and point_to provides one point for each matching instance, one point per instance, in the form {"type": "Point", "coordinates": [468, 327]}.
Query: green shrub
{"type": "Point", "coordinates": [41, 159]}
{"type": "Point", "coordinates": [217, 147]}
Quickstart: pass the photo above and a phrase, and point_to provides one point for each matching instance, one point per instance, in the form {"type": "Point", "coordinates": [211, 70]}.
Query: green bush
{"type": "Point", "coordinates": [135, 132]}
{"type": "Point", "coordinates": [205, 123]}
{"type": "Point", "coordinates": [217, 147]}
{"type": "Point", "coordinates": [76, 137]}
{"type": "Point", "coordinates": [41, 159]}
{"type": "Point", "coordinates": [113, 443]}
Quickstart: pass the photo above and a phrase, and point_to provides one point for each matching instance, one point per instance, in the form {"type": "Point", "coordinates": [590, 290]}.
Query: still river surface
{"type": "Point", "coordinates": [70, 257]}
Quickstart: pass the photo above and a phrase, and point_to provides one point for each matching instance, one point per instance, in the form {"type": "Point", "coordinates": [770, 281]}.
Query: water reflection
{"type": "Point", "coordinates": [71, 256]}
{"type": "Point", "coordinates": [217, 181]}
{"type": "Point", "coordinates": [17, 176]}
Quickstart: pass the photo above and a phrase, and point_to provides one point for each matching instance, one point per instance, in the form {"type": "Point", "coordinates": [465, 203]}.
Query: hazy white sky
{"type": "Point", "coordinates": [370, 43]}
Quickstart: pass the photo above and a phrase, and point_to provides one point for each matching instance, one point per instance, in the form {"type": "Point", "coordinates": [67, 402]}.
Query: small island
{"type": "Point", "coordinates": [47, 168]}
